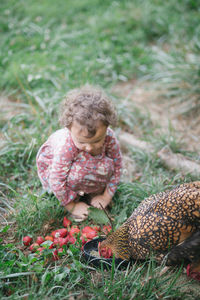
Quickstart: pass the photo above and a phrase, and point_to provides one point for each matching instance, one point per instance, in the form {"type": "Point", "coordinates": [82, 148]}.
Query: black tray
{"type": "Point", "coordinates": [98, 262]}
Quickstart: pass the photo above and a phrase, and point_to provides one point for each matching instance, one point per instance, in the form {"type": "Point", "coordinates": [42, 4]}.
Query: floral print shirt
{"type": "Point", "coordinates": [67, 171]}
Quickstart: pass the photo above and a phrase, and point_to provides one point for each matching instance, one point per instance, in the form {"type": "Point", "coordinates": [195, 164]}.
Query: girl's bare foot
{"type": "Point", "coordinates": [78, 210]}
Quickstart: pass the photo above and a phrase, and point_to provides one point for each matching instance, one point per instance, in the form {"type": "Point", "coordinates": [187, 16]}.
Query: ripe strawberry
{"type": "Point", "coordinates": [59, 233]}
{"type": "Point", "coordinates": [48, 238]}
{"type": "Point", "coordinates": [86, 229]}
{"type": "Point", "coordinates": [60, 241]}
{"type": "Point", "coordinates": [74, 230]}
{"type": "Point", "coordinates": [97, 228]}
{"type": "Point", "coordinates": [34, 247]}
{"type": "Point", "coordinates": [72, 240]}
{"type": "Point", "coordinates": [60, 250]}
{"type": "Point", "coordinates": [40, 249]}
{"type": "Point", "coordinates": [39, 240]}
{"type": "Point", "coordinates": [55, 255]}
{"type": "Point", "coordinates": [51, 246]}
{"type": "Point", "coordinates": [89, 232]}
{"type": "Point", "coordinates": [27, 240]}
{"type": "Point", "coordinates": [66, 222]}
{"type": "Point", "coordinates": [83, 241]}
{"type": "Point", "coordinates": [90, 235]}
{"type": "Point", "coordinates": [107, 229]}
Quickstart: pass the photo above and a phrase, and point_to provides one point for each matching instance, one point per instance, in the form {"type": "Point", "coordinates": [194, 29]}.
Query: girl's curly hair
{"type": "Point", "coordinates": [87, 106]}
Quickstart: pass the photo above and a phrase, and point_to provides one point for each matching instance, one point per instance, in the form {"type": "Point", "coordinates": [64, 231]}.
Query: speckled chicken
{"type": "Point", "coordinates": [165, 223]}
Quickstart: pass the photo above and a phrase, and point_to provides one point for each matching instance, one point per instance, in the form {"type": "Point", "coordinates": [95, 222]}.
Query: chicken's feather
{"type": "Point", "coordinates": [160, 222]}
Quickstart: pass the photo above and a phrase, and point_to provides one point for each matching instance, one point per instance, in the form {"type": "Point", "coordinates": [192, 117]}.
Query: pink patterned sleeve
{"type": "Point", "coordinates": [61, 164]}
{"type": "Point", "coordinates": [113, 151]}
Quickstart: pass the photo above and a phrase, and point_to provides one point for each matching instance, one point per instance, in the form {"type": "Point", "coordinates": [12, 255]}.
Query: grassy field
{"type": "Point", "coordinates": [47, 48]}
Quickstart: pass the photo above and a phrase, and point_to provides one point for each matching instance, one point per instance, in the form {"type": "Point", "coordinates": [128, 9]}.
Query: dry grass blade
{"type": "Point", "coordinates": [110, 220]}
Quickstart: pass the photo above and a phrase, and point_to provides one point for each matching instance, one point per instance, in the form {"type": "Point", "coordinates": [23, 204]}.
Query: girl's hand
{"type": "Point", "coordinates": [101, 200]}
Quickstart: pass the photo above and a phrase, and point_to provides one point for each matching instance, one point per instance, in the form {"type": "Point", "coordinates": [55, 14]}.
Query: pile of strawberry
{"type": "Point", "coordinates": [69, 234]}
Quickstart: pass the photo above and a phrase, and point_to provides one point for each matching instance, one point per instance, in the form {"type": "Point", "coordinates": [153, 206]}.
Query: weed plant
{"type": "Point", "coordinates": [47, 48]}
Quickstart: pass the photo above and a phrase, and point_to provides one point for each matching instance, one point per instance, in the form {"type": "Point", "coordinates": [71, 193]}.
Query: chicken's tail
{"type": "Point", "coordinates": [187, 251]}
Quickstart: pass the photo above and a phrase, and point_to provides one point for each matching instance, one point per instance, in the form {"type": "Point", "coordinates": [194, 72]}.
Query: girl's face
{"type": "Point", "coordinates": [92, 145]}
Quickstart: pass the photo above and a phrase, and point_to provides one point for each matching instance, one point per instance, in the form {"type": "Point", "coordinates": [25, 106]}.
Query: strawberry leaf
{"type": "Point", "coordinates": [98, 215]}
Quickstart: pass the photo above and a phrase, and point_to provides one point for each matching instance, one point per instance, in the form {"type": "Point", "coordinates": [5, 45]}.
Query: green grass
{"type": "Point", "coordinates": [73, 277]}
{"type": "Point", "coordinates": [47, 48]}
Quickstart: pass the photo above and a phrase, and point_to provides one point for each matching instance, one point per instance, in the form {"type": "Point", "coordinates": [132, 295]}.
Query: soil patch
{"type": "Point", "coordinates": [164, 113]}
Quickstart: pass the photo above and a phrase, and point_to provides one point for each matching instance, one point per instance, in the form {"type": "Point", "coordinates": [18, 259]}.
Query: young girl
{"type": "Point", "coordinates": [83, 158]}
